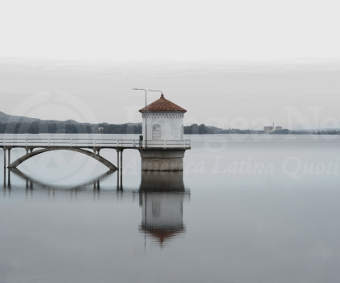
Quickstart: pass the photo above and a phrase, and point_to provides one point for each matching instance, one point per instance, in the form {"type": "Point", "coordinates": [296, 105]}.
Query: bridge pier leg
{"type": "Point", "coordinates": [117, 169]}
{"type": "Point", "coordinates": [96, 185]}
{"type": "Point", "coordinates": [5, 167]}
{"type": "Point", "coordinates": [8, 170]}
{"type": "Point", "coordinates": [120, 169]}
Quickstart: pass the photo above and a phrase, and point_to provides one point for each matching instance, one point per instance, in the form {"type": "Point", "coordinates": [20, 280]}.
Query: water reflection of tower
{"type": "Point", "coordinates": [161, 199]}
{"type": "Point", "coordinates": [162, 215]}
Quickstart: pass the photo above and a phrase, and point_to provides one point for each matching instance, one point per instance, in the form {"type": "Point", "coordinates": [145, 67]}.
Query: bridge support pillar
{"type": "Point", "coordinates": [153, 181]}
{"type": "Point", "coordinates": [162, 159]}
{"type": "Point", "coordinates": [8, 170]}
{"type": "Point", "coordinates": [96, 185]}
{"type": "Point", "coordinates": [120, 169]}
{"type": "Point", "coordinates": [5, 167]}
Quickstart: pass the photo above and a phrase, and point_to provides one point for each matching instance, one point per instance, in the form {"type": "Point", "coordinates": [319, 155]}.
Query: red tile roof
{"type": "Point", "coordinates": [162, 105]}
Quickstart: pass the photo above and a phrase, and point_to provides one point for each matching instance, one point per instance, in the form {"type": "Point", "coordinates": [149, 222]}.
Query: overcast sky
{"type": "Point", "coordinates": [237, 63]}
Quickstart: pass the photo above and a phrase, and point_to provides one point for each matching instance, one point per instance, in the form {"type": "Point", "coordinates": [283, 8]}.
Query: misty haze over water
{"type": "Point", "coordinates": [298, 95]}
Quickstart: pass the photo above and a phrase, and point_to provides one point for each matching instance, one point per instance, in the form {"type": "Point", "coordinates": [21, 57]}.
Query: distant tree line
{"type": "Point", "coordinates": [36, 126]}
{"type": "Point", "coordinates": [68, 127]}
{"type": "Point", "coordinates": [22, 125]}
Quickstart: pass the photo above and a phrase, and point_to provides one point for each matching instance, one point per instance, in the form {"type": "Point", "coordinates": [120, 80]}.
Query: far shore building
{"type": "Point", "coordinates": [268, 129]}
{"type": "Point", "coordinates": [275, 130]}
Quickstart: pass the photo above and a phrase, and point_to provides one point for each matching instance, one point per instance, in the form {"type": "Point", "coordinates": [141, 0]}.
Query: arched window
{"type": "Point", "coordinates": [156, 132]}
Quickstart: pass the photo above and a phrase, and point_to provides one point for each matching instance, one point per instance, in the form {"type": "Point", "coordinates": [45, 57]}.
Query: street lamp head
{"type": "Point", "coordinates": [148, 89]}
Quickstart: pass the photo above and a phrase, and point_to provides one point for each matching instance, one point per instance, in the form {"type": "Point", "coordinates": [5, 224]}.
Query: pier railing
{"type": "Point", "coordinates": [91, 142]}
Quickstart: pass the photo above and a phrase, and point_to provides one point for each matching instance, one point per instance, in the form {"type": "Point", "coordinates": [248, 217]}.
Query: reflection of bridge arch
{"type": "Point", "coordinates": [80, 150]}
{"type": "Point", "coordinates": [95, 181]}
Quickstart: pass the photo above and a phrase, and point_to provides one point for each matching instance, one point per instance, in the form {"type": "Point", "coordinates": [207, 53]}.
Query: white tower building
{"type": "Point", "coordinates": [163, 143]}
{"type": "Point", "coordinates": [162, 120]}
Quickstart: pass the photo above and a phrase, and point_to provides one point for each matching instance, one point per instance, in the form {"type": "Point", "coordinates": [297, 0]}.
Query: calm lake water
{"type": "Point", "coordinates": [254, 209]}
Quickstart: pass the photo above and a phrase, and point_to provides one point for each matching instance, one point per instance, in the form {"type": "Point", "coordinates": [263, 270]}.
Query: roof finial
{"type": "Point", "coordinates": [162, 95]}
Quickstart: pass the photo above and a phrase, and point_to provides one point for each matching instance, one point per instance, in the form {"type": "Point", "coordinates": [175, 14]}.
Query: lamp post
{"type": "Point", "coordinates": [146, 103]}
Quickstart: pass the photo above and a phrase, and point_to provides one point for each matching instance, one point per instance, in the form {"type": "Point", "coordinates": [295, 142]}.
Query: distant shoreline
{"type": "Point", "coordinates": [23, 125]}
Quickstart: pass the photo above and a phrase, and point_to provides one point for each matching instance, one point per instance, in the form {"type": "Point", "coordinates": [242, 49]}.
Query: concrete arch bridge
{"type": "Point", "coordinates": [91, 147]}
